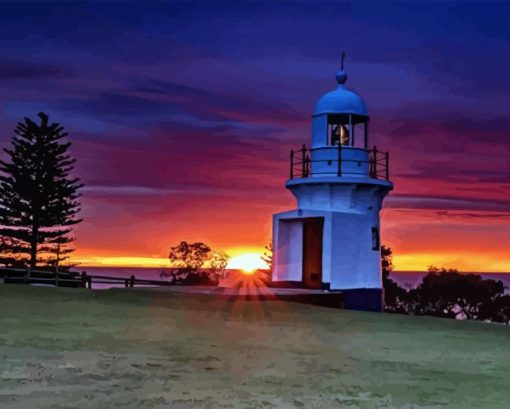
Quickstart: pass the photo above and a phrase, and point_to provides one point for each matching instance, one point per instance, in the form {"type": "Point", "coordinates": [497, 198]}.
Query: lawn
{"type": "Point", "coordinates": [76, 348]}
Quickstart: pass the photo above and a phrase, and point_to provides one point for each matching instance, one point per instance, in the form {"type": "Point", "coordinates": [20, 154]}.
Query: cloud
{"type": "Point", "coordinates": [406, 201]}
{"type": "Point", "coordinates": [478, 215]}
{"type": "Point", "coordinates": [447, 124]}
{"type": "Point", "coordinates": [97, 190]}
{"type": "Point", "coordinates": [12, 71]}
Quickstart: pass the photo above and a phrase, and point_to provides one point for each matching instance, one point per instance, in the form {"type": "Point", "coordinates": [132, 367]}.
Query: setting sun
{"type": "Point", "coordinates": [248, 262]}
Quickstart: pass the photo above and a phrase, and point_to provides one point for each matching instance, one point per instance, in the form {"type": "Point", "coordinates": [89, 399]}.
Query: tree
{"type": "Point", "coordinates": [38, 197]}
{"type": "Point", "coordinates": [188, 261]}
{"type": "Point", "coordinates": [10, 250]}
{"type": "Point", "coordinates": [496, 311]}
{"type": "Point", "coordinates": [59, 252]}
{"type": "Point", "coordinates": [394, 295]}
{"type": "Point", "coordinates": [189, 257]}
{"type": "Point", "coordinates": [218, 261]}
{"type": "Point", "coordinates": [386, 261]}
{"type": "Point", "coordinates": [446, 293]}
{"type": "Point", "coordinates": [267, 257]}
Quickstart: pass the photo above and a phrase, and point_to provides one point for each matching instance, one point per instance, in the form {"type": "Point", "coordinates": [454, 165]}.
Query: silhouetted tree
{"type": "Point", "coordinates": [188, 261]}
{"type": "Point", "coordinates": [189, 256]}
{"type": "Point", "coordinates": [58, 254]}
{"type": "Point", "coordinates": [11, 252]}
{"type": "Point", "coordinates": [446, 293]}
{"type": "Point", "coordinates": [218, 261]}
{"type": "Point", "coordinates": [38, 198]}
{"type": "Point", "coordinates": [386, 261]}
{"type": "Point", "coordinates": [267, 257]}
{"type": "Point", "coordinates": [496, 311]}
{"type": "Point", "coordinates": [394, 295]}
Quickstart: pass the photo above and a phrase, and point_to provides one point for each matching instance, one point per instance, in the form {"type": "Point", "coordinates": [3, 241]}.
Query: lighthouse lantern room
{"type": "Point", "coordinates": [331, 241]}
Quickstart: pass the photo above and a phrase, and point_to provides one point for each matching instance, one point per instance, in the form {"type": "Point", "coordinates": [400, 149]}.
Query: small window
{"type": "Point", "coordinates": [375, 239]}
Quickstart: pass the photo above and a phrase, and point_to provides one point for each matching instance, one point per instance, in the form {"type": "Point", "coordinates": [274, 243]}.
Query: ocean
{"type": "Point", "coordinates": [406, 279]}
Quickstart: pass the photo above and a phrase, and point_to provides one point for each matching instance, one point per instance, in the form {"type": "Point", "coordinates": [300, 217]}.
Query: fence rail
{"type": "Point", "coordinates": [301, 164]}
{"type": "Point", "coordinates": [132, 281]}
{"type": "Point", "coordinates": [72, 279]}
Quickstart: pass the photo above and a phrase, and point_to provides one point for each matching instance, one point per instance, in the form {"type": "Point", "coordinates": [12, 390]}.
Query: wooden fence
{"type": "Point", "coordinates": [88, 280]}
{"type": "Point", "coordinates": [72, 279]}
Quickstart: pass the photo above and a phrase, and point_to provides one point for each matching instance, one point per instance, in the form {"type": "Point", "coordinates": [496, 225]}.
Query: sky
{"type": "Point", "coordinates": [182, 116]}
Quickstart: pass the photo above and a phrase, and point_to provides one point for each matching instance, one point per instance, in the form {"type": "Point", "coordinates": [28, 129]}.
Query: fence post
{"type": "Point", "coordinates": [387, 165]}
{"type": "Point", "coordinates": [366, 134]}
{"type": "Point", "coordinates": [303, 160]}
{"type": "Point", "coordinates": [374, 162]}
{"type": "Point", "coordinates": [339, 170]}
{"type": "Point", "coordinates": [132, 281]}
{"type": "Point", "coordinates": [292, 164]}
{"type": "Point", "coordinates": [307, 166]}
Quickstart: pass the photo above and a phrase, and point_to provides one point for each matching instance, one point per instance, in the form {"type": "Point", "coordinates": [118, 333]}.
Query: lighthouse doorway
{"type": "Point", "coordinates": [312, 252]}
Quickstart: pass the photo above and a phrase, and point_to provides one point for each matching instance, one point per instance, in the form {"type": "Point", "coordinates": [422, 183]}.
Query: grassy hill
{"type": "Point", "coordinates": [74, 348]}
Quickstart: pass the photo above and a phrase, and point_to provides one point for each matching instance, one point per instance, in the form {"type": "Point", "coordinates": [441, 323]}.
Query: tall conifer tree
{"type": "Point", "coordinates": [38, 197]}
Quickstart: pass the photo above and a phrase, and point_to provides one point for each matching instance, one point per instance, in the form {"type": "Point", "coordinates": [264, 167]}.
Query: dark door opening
{"type": "Point", "coordinates": [312, 252]}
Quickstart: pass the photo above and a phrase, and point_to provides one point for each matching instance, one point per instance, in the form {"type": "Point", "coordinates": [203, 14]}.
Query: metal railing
{"type": "Point", "coordinates": [301, 164]}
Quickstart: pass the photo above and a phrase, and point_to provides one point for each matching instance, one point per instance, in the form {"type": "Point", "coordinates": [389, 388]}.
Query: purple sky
{"type": "Point", "coordinates": [182, 115]}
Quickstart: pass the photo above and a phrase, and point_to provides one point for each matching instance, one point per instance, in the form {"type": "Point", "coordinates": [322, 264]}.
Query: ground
{"type": "Point", "coordinates": [130, 348]}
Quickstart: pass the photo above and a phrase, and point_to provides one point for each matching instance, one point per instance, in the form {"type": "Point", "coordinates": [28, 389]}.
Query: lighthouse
{"type": "Point", "coordinates": [331, 241]}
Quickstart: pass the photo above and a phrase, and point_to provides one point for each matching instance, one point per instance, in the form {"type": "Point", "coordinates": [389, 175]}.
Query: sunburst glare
{"type": "Point", "coordinates": [248, 263]}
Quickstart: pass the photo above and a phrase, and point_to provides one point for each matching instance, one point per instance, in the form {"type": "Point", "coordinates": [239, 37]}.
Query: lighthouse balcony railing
{"type": "Point", "coordinates": [339, 161]}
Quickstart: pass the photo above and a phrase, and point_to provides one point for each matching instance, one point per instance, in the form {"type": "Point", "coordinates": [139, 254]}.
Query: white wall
{"type": "Point", "coordinates": [354, 264]}
{"type": "Point", "coordinates": [288, 250]}
{"type": "Point", "coordinates": [352, 195]}
{"type": "Point", "coordinates": [355, 161]}
{"type": "Point", "coordinates": [288, 244]}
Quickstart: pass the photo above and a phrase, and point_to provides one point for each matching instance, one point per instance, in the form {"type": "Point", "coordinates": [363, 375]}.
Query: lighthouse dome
{"type": "Point", "coordinates": [341, 100]}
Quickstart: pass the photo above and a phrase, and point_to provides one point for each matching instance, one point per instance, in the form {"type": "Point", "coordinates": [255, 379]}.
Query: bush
{"type": "Point", "coordinates": [448, 294]}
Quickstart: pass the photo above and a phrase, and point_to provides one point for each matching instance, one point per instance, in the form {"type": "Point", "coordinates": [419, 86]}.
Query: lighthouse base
{"type": "Point", "coordinates": [359, 299]}
{"type": "Point", "coordinates": [332, 251]}
{"type": "Point", "coordinates": [364, 299]}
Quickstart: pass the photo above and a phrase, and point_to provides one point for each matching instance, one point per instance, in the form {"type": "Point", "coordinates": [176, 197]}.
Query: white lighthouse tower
{"type": "Point", "coordinates": [331, 240]}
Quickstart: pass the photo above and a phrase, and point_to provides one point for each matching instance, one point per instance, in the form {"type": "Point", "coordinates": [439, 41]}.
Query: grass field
{"type": "Point", "coordinates": [75, 348]}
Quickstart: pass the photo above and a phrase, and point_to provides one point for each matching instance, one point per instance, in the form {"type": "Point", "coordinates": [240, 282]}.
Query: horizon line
{"type": "Point", "coordinates": [235, 269]}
